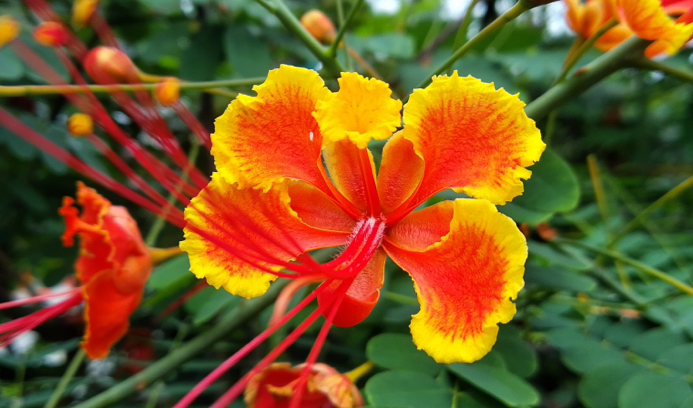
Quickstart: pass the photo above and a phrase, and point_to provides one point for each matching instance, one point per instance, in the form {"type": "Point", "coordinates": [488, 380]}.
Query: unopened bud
{"type": "Point", "coordinates": [80, 124]}
{"type": "Point", "coordinates": [167, 91]}
{"type": "Point", "coordinates": [9, 30]}
{"type": "Point", "coordinates": [51, 34]}
{"type": "Point", "coordinates": [319, 26]}
{"type": "Point", "coordinates": [108, 65]}
{"type": "Point", "coordinates": [82, 11]}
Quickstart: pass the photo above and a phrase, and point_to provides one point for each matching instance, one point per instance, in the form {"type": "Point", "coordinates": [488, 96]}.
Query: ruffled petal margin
{"type": "Point", "coordinates": [466, 281]}
{"type": "Point", "coordinates": [472, 138]}
{"type": "Point", "coordinates": [265, 139]}
{"type": "Point", "coordinates": [362, 110]}
{"type": "Point", "coordinates": [236, 238]}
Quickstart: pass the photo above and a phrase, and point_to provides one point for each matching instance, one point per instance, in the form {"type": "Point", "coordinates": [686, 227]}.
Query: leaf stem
{"type": "Point", "coordinates": [656, 273]}
{"type": "Point", "coordinates": [585, 77]}
{"type": "Point", "coordinates": [293, 25]}
{"type": "Point", "coordinates": [519, 8]}
{"type": "Point", "coordinates": [332, 51]}
{"type": "Point", "coordinates": [648, 64]}
{"type": "Point", "coordinates": [66, 378]}
{"type": "Point", "coordinates": [174, 359]}
{"type": "Point", "coordinates": [32, 90]}
{"type": "Point", "coordinates": [574, 56]}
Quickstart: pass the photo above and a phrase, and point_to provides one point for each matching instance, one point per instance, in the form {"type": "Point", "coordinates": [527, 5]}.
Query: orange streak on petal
{"type": "Point", "coordinates": [472, 138]}
{"type": "Point", "coordinates": [421, 229]}
{"type": "Point", "coordinates": [401, 171]}
{"type": "Point", "coordinates": [646, 18]}
{"type": "Point", "coordinates": [345, 171]}
{"type": "Point", "coordinates": [316, 209]}
{"type": "Point", "coordinates": [234, 235]}
{"type": "Point", "coordinates": [613, 37]}
{"type": "Point", "coordinates": [465, 282]}
{"type": "Point", "coordinates": [265, 139]}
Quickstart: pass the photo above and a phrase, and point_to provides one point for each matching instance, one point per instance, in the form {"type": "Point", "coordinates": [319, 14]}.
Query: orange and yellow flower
{"type": "Point", "coordinates": [113, 267]}
{"type": "Point", "coordinates": [294, 174]}
{"type": "Point", "coordinates": [650, 20]}
{"type": "Point", "coordinates": [275, 386]}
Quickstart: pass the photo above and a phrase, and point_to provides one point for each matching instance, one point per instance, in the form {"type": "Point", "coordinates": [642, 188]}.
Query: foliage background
{"type": "Point", "coordinates": [590, 331]}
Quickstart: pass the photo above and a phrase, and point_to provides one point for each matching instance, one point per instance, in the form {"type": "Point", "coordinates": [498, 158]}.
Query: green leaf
{"type": "Point", "coordinates": [599, 388]}
{"type": "Point", "coordinates": [208, 303]}
{"type": "Point", "coordinates": [555, 257]}
{"type": "Point", "coordinates": [247, 54]}
{"type": "Point", "coordinates": [201, 58]}
{"type": "Point", "coordinates": [588, 353]}
{"type": "Point", "coordinates": [552, 188]}
{"type": "Point", "coordinates": [519, 357]}
{"type": "Point", "coordinates": [169, 273]}
{"type": "Point", "coordinates": [406, 389]}
{"type": "Point", "coordinates": [497, 382]}
{"type": "Point", "coordinates": [654, 343]}
{"type": "Point", "coordinates": [397, 352]}
{"type": "Point", "coordinates": [649, 389]}
{"type": "Point", "coordinates": [394, 45]}
{"type": "Point", "coordinates": [679, 358]}
{"type": "Point", "coordinates": [11, 67]}
{"type": "Point", "coordinates": [559, 279]}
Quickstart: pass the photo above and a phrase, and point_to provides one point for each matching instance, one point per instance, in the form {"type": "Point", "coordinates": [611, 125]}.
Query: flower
{"type": "Point", "coordinates": [113, 266]}
{"type": "Point", "coordinates": [325, 388]}
{"type": "Point", "coordinates": [319, 26]}
{"type": "Point", "coordinates": [51, 34]}
{"type": "Point", "coordinates": [80, 124]}
{"type": "Point", "coordinates": [272, 200]}
{"type": "Point", "coordinates": [9, 30]}
{"type": "Point", "coordinates": [586, 19]}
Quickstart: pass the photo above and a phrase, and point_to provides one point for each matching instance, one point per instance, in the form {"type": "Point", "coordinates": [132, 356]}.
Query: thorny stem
{"type": "Point", "coordinates": [519, 8]}
{"type": "Point", "coordinates": [648, 64]}
{"type": "Point", "coordinates": [65, 380]}
{"type": "Point", "coordinates": [33, 90]}
{"type": "Point", "coordinates": [174, 359]}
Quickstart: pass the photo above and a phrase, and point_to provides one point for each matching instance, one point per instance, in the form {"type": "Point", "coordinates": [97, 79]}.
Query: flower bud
{"type": "Point", "coordinates": [51, 34]}
{"type": "Point", "coordinates": [167, 91]}
{"type": "Point", "coordinates": [82, 11]}
{"type": "Point", "coordinates": [108, 65]}
{"type": "Point", "coordinates": [319, 26]}
{"type": "Point", "coordinates": [325, 387]}
{"type": "Point", "coordinates": [9, 30]}
{"type": "Point", "coordinates": [80, 124]}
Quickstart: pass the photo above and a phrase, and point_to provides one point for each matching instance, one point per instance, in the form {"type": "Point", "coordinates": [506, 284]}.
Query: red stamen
{"type": "Point", "coordinates": [29, 135]}
{"type": "Point", "coordinates": [233, 393]}
{"type": "Point", "coordinates": [17, 327]}
{"type": "Point", "coordinates": [287, 294]}
{"type": "Point", "coordinates": [35, 299]}
{"type": "Point", "coordinates": [372, 198]}
{"type": "Point", "coordinates": [237, 356]}
{"type": "Point", "coordinates": [103, 30]}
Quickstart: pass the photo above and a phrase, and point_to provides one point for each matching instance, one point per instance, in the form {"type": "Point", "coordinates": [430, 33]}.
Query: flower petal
{"type": "Point", "coordinates": [107, 312]}
{"type": "Point", "coordinates": [465, 281]}
{"type": "Point", "coordinates": [235, 237]}
{"type": "Point", "coordinates": [613, 37]}
{"type": "Point", "coordinates": [472, 138]}
{"type": "Point", "coordinates": [343, 163]}
{"type": "Point", "coordinates": [264, 139]}
{"type": "Point", "coordinates": [317, 210]}
{"type": "Point", "coordinates": [362, 295]}
{"type": "Point", "coordinates": [646, 18]}
{"type": "Point", "coordinates": [362, 110]}
{"type": "Point", "coordinates": [401, 171]}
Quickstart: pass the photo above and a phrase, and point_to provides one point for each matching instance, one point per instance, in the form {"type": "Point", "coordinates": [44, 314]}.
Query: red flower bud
{"type": "Point", "coordinates": [108, 65]}
{"type": "Point", "coordinates": [51, 34]}
{"type": "Point", "coordinates": [319, 26]}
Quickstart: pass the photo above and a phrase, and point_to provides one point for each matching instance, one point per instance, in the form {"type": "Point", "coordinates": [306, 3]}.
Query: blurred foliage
{"type": "Point", "coordinates": [590, 331]}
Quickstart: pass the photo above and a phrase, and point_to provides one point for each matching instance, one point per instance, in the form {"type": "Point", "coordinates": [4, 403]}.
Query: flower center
{"type": "Point", "coordinates": [365, 240]}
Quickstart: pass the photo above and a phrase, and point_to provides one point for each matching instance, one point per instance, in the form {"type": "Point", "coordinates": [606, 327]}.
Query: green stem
{"type": "Point", "coordinates": [656, 273]}
{"type": "Point", "coordinates": [340, 19]}
{"type": "Point", "coordinates": [575, 56]}
{"type": "Point", "coordinates": [293, 25]}
{"type": "Point", "coordinates": [332, 51]}
{"type": "Point", "coordinates": [401, 299]}
{"type": "Point", "coordinates": [32, 90]}
{"type": "Point", "coordinates": [640, 218]}
{"type": "Point", "coordinates": [464, 26]}
{"type": "Point", "coordinates": [519, 8]}
{"type": "Point", "coordinates": [174, 359]}
{"type": "Point", "coordinates": [646, 63]}
{"type": "Point", "coordinates": [589, 75]}
{"type": "Point", "coordinates": [66, 378]}
{"type": "Point", "coordinates": [158, 225]}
